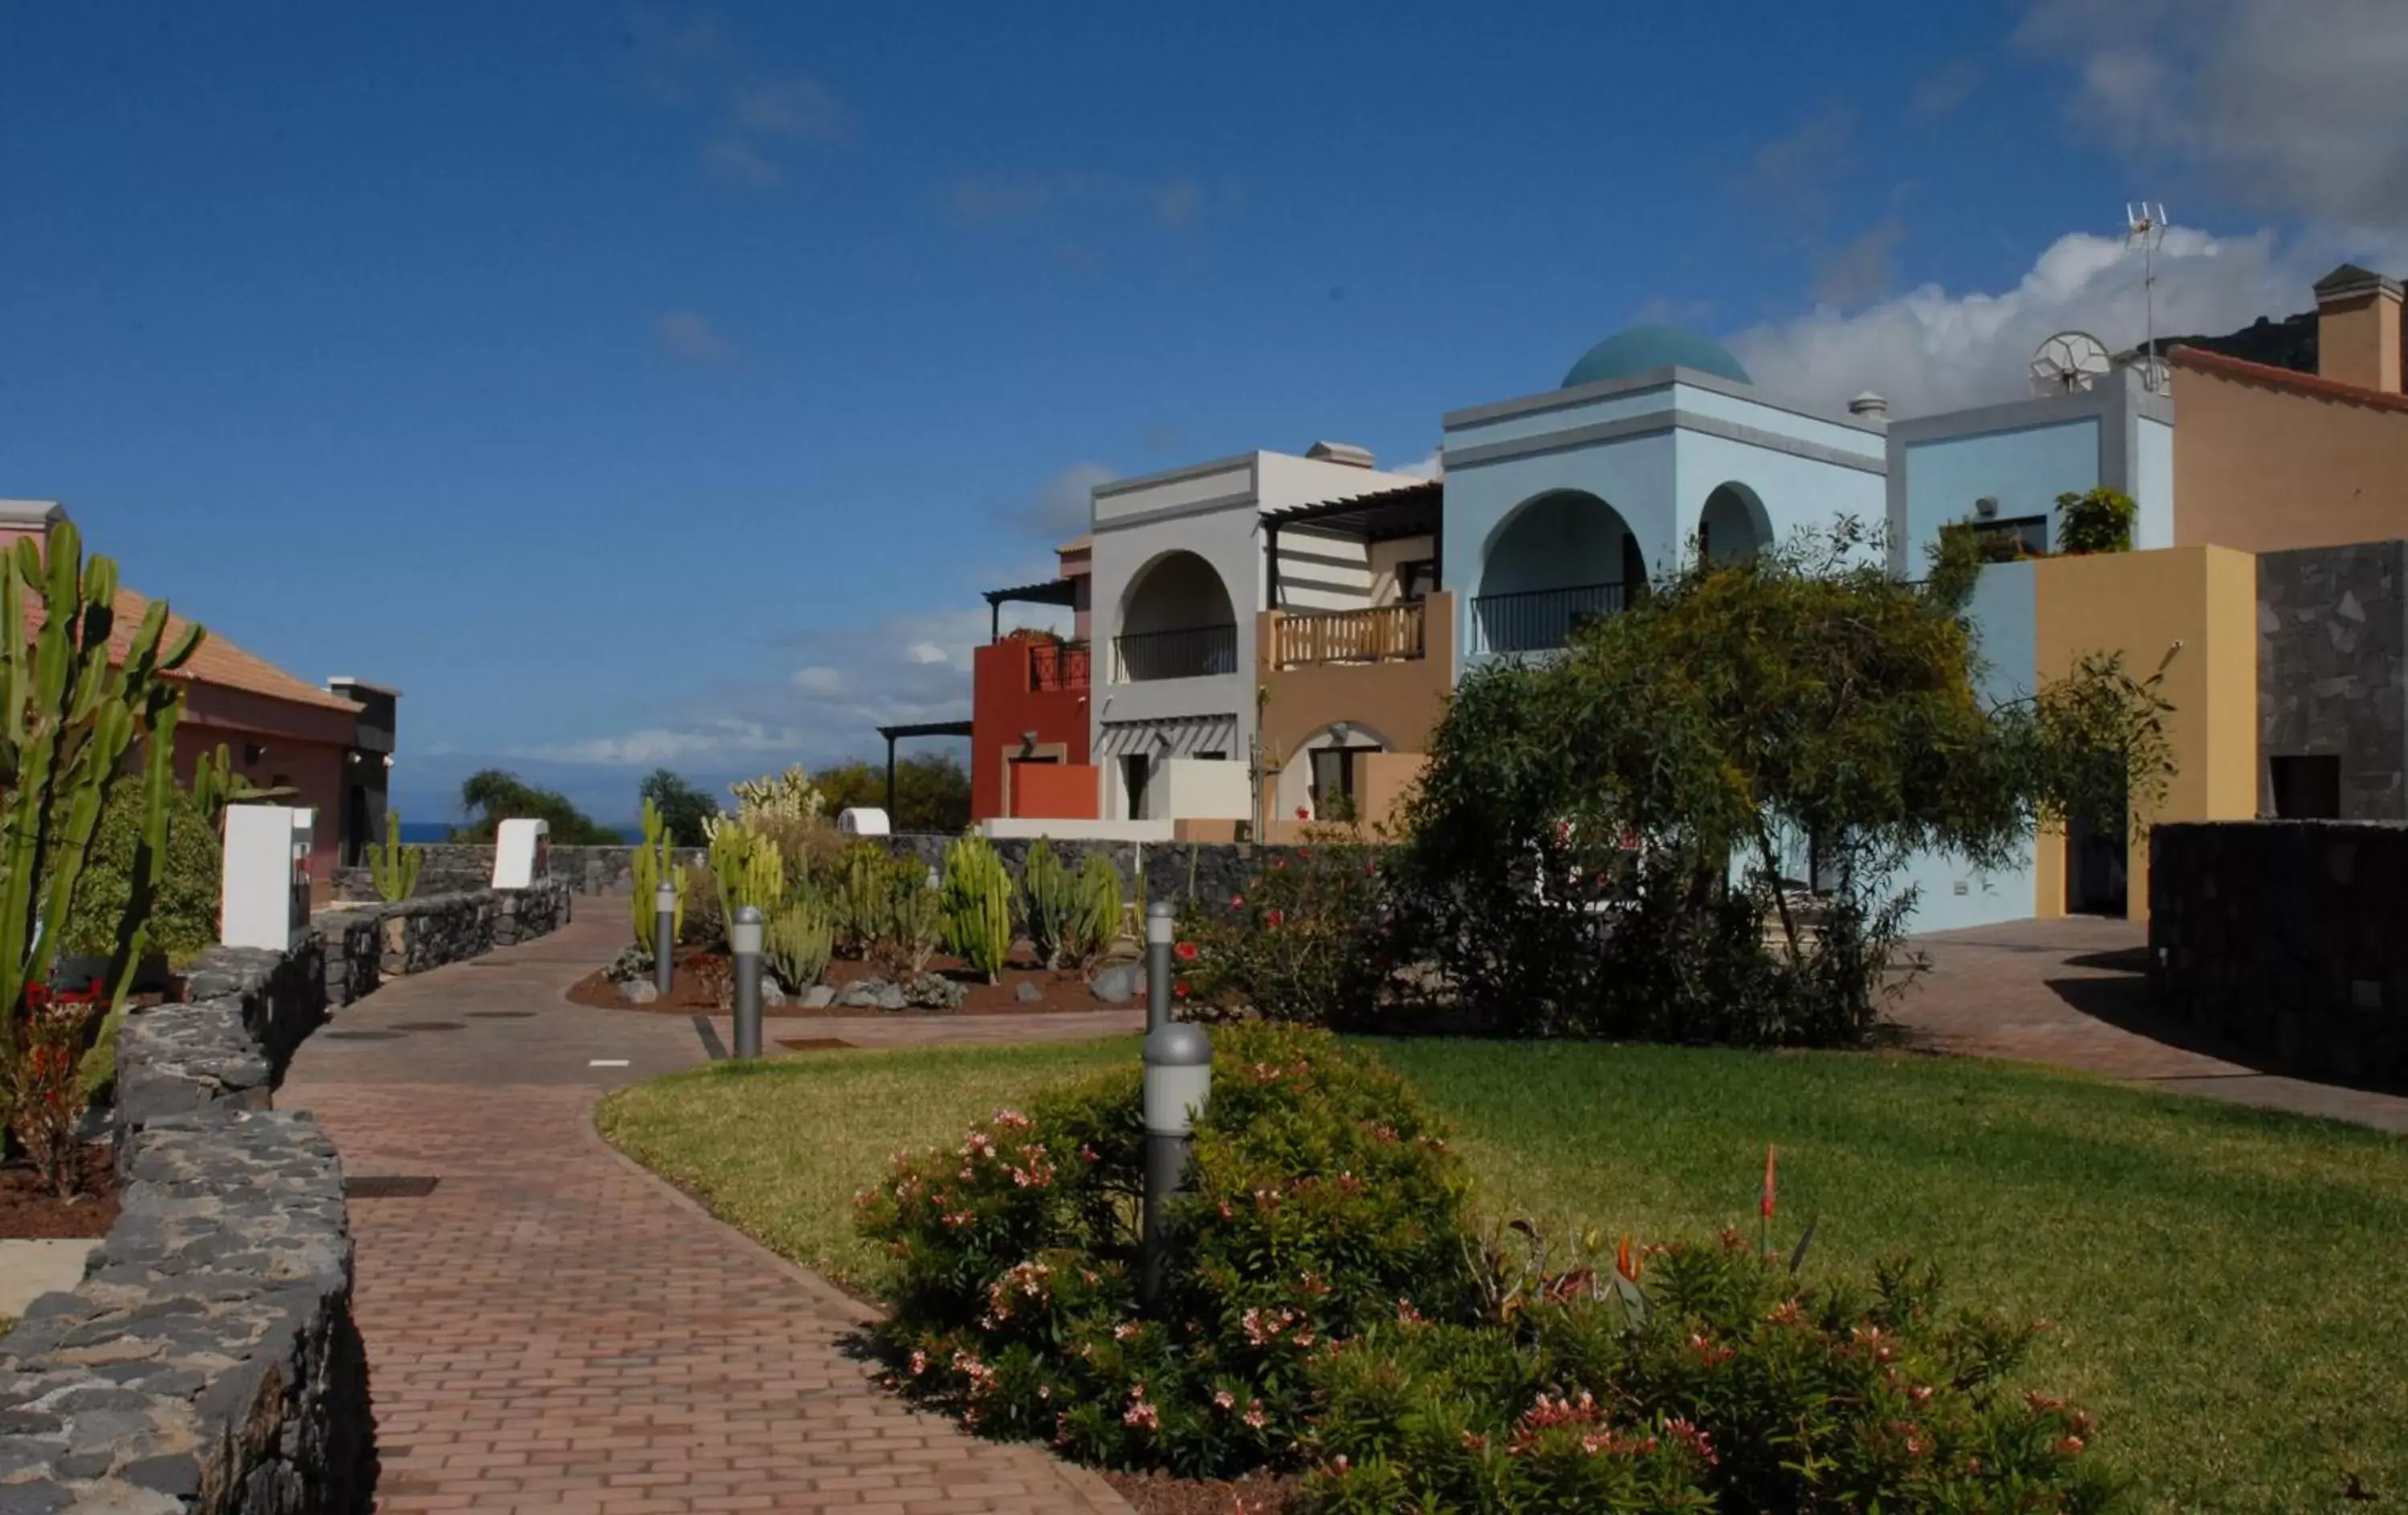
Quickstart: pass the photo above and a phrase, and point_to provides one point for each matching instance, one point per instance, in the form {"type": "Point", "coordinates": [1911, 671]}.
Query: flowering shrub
{"type": "Point", "coordinates": [1322, 1198]}
{"type": "Point", "coordinates": [1723, 1383]}
{"type": "Point", "coordinates": [1331, 1309]}
{"type": "Point", "coordinates": [41, 1079]}
{"type": "Point", "coordinates": [1297, 943]}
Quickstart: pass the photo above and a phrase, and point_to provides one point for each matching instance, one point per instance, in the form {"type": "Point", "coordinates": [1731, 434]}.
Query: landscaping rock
{"type": "Point", "coordinates": [771, 995]}
{"type": "Point", "coordinates": [819, 996]}
{"type": "Point", "coordinates": [1120, 984]}
{"type": "Point", "coordinates": [869, 994]}
{"type": "Point", "coordinates": [935, 991]}
{"type": "Point", "coordinates": [639, 992]}
{"type": "Point", "coordinates": [1027, 994]}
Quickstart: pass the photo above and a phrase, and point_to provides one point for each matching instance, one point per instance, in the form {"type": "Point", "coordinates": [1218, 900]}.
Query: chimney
{"type": "Point", "coordinates": [2358, 328]}
{"type": "Point", "coordinates": [1345, 453]}
{"type": "Point", "coordinates": [1869, 406]}
{"type": "Point", "coordinates": [28, 518]}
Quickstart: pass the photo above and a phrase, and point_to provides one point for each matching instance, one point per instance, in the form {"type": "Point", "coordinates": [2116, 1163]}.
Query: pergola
{"type": "Point", "coordinates": [899, 734]}
{"type": "Point", "coordinates": [1061, 591]}
{"type": "Point", "coordinates": [1387, 516]}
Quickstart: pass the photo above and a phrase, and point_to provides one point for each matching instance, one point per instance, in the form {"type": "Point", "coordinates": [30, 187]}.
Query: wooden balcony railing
{"type": "Point", "coordinates": [1384, 633]}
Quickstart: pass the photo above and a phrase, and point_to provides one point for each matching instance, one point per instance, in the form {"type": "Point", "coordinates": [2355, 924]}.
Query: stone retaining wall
{"type": "Point", "coordinates": [2285, 937]}
{"type": "Point", "coordinates": [367, 944]}
{"type": "Point", "coordinates": [209, 1363]}
{"type": "Point", "coordinates": [456, 867]}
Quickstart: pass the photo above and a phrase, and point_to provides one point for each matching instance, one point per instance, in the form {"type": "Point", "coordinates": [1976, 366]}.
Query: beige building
{"type": "Point", "coordinates": [2267, 459]}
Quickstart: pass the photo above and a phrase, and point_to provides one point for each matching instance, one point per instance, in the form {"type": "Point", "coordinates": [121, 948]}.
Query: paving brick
{"type": "Point", "coordinates": [551, 1329]}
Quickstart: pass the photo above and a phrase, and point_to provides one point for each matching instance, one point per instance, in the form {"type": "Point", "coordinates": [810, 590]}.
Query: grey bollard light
{"type": "Point", "coordinates": [1161, 924]}
{"type": "Point", "coordinates": [1178, 1080]}
{"type": "Point", "coordinates": [744, 942]}
{"type": "Point", "coordinates": [664, 936]}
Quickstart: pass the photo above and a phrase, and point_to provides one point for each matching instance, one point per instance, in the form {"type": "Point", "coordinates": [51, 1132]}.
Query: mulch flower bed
{"type": "Point", "coordinates": [30, 1210]}
{"type": "Point", "coordinates": [1159, 1494]}
{"type": "Point", "coordinates": [696, 991]}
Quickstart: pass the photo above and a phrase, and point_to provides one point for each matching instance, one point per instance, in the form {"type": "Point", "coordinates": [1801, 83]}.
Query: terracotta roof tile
{"type": "Point", "coordinates": [217, 662]}
{"type": "Point", "coordinates": [2289, 379]}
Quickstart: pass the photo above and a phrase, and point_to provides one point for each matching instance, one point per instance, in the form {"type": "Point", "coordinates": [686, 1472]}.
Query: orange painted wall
{"type": "Point", "coordinates": [2262, 467]}
{"type": "Point", "coordinates": [1053, 791]}
{"type": "Point", "coordinates": [1002, 706]}
{"type": "Point", "coordinates": [2140, 604]}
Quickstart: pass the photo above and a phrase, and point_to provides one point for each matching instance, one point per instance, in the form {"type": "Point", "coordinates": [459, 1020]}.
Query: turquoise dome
{"type": "Point", "coordinates": [1642, 349]}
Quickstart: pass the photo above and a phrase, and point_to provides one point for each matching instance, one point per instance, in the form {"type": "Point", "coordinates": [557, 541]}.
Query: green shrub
{"type": "Point", "coordinates": [2096, 521]}
{"type": "Point", "coordinates": [185, 910]}
{"type": "Point", "coordinates": [1299, 943]}
{"type": "Point", "coordinates": [796, 942]}
{"type": "Point", "coordinates": [1726, 1384]}
{"type": "Point", "coordinates": [704, 922]}
{"type": "Point", "coordinates": [1321, 1196]}
{"type": "Point", "coordinates": [856, 897]}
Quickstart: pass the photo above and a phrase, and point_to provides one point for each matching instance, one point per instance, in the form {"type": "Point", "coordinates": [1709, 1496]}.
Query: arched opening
{"type": "Point", "coordinates": [1176, 623]}
{"type": "Point", "coordinates": [1321, 776]}
{"type": "Point", "coordinates": [1558, 562]}
{"type": "Point", "coordinates": [1733, 527]}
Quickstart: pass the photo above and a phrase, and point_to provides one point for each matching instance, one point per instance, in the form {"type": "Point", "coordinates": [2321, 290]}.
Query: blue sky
{"type": "Point", "coordinates": [663, 384]}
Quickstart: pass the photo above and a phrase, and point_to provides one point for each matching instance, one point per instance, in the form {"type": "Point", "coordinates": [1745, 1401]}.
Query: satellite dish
{"type": "Point", "coordinates": [2070, 362]}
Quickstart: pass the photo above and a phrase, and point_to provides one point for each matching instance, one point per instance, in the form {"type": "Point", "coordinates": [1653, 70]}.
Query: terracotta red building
{"type": "Point", "coordinates": [278, 730]}
{"type": "Point", "coordinates": [1028, 706]}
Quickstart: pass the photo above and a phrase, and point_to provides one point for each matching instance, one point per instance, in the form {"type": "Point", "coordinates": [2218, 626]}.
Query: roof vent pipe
{"type": "Point", "coordinates": [1869, 406]}
{"type": "Point", "coordinates": [1345, 453]}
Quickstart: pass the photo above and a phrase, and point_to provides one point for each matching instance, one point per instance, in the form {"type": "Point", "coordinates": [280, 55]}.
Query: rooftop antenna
{"type": "Point", "coordinates": [2144, 228]}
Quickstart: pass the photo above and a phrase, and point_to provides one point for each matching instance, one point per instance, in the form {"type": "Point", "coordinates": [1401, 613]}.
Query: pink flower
{"type": "Point", "coordinates": [1223, 1398]}
{"type": "Point", "coordinates": [1237, 901]}
{"type": "Point", "coordinates": [1142, 1414]}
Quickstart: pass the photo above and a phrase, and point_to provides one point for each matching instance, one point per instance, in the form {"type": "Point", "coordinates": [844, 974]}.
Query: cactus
{"type": "Point", "coordinates": [748, 870]}
{"type": "Point", "coordinates": [1095, 917]}
{"type": "Point", "coordinates": [798, 942]}
{"type": "Point", "coordinates": [394, 866]}
{"type": "Point", "coordinates": [1051, 892]}
{"type": "Point", "coordinates": [978, 905]}
{"type": "Point", "coordinates": [654, 861]}
{"type": "Point", "coordinates": [70, 722]}
{"type": "Point", "coordinates": [857, 902]}
{"type": "Point", "coordinates": [910, 917]}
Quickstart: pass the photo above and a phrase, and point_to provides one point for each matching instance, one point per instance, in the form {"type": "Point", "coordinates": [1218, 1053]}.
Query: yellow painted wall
{"type": "Point", "coordinates": [2142, 604]}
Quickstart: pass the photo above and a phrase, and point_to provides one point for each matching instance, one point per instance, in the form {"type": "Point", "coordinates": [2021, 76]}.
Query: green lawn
{"type": "Point", "coordinates": [2230, 1286]}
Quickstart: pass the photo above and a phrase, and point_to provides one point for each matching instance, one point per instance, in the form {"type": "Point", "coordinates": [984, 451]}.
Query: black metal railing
{"type": "Point", "coordinates": [1539, 620]}
{"type": "Point", "coordinates": [1190, 652]}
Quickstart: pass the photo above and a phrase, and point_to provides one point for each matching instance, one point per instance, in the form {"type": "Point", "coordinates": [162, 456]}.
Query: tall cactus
{"type": "Point", "coordinates": [68, 717]}
{"type": "Point", "coordinates": [797, 942]}
{"type": "Point", "coordinates": [1050, 890]}
{"type": "Point", "coordinates": [394, 866]}
{"type": "Point", "coordinates": [978, 905]}
{"type": "Point", "coordinates": [654, 861]}
{"type": "Point", "coordinates": [748, 868]}
{"type": "Point", "coordinates": [1095, 918]}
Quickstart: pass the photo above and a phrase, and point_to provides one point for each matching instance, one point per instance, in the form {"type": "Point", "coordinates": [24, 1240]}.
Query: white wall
{"type": "Point", "coordinates": [1199, 789]}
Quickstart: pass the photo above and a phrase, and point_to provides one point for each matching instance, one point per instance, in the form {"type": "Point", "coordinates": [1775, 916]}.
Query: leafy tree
{"type": "Point", "coordinates": [932, 791]}
{"type": "Point", "coordinates": [493, 795]}
{"type": "Point", "coordinates": [684, 807]}
{"type": "Point", "coordinates": [1608, 840]}
{"type": "Point", "coordinates": [2096, 521]}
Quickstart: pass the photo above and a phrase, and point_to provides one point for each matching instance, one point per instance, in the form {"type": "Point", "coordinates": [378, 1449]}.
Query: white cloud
{"type": "Point", "coordinates": [925, 653]}
{"type": "Point", "coordinates": [1929, 350]}
{"type": "Point", "coordinates": [2291, 108]}
{"type": "Point", "coordinates": [688, 337]}
{"type": "Point", "coordinates": [818, 679]}
{"type": "Point", "coordinates": [1061, 508]}
{"type": "Point", "coordinates": [1433, 467]}
{"type": "Point", "coordinates": [734, 161]}
{"type": "Point", "coordinates": [795, 105]}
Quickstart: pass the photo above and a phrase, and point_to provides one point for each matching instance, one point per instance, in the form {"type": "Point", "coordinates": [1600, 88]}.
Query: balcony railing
{"type": "Point", "coordinates": [1539, 620]}
{"type": "Point", "coordinates": [1058, 665]}
{"type": "Point", "coordinates": [1379, 635]}
{"type": "Point", "coordinates": [1190, 652]}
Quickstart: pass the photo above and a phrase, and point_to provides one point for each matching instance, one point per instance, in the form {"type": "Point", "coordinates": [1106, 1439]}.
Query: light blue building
{"type": "Point", "coordinates": [1559, 504]}
{"type": "Point", "coordinates": [2002, 466]}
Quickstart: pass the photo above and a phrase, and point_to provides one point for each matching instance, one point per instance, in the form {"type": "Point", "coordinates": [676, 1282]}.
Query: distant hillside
{"type": "Point", "coordinates": [2288, 343]}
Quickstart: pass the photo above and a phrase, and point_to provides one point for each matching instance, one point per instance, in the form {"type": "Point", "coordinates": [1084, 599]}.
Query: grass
{"type": "Point", "coordinates": [2228, 1286]}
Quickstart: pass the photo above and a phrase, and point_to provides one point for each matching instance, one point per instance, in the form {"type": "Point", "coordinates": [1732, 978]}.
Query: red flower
{"type": "Point", "coordinates": [1185, 952]}
{"type": "Point", "coordinates": [1765, 1205]}
{"type": "Point", "coordinates": [1303, 813]}
{"type": "Point", "coordinates": [1279, 863]}
{"type": "Point", "coordinates": [1237, 901]}
{"type": "Point", "coordinates": [1180, 989]}
{"type": "Point", "coordinates": [1304, 851]}
{"type": "Point", "coordinates": [1274, 917]}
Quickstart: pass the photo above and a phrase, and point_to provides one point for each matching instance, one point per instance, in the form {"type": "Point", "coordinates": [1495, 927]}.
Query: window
{"type": "Point", "coordinates": [2307, 787]}
{"type": "Point", "coordinates": [1211, 757]}
{"type": "Point", "coordinates": [1135, 766]}
{"type": "Point", "coordinates": [1333, 781]}
{"type": "Point", "coordinates": [2020, 537]}
{"type": "Point", "coordinates": [1416, 579]}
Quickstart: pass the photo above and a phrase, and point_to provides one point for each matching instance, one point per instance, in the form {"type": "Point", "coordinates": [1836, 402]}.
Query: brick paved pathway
{"type": "Point", "coordinates": [551, 1329]}
{"type": "Point", "coordinates": [2072, 993]}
